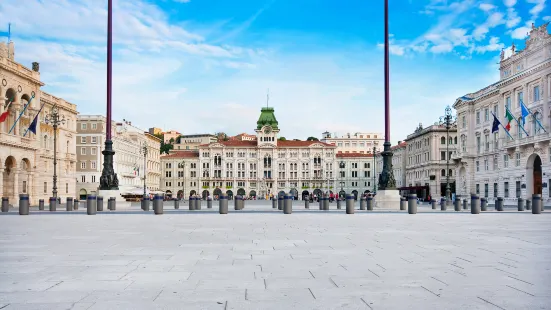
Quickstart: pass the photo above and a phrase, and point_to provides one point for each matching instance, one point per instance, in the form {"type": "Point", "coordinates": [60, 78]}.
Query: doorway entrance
{"type": "Point", "coordinates": [533, 176]}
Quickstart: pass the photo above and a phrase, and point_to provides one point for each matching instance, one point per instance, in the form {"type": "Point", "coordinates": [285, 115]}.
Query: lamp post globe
{"type": "Point", "coordinates": [447, 120]}
{"type": "Point", "coordinates": [55, 120]}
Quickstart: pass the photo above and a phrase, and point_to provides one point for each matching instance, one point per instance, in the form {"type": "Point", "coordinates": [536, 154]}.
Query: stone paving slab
{"type": "Point", "coordinates": [262, 259]}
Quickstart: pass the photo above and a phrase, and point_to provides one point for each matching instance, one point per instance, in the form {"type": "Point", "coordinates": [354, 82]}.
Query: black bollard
{"type": "Point", "coordinates": [41, 204]}
{"type": "Point", "coordinates": [158, 204]}
{"type": "Point", "coordinates": [145, 203]}
{"type": "Point", "coordinates": [223, 204]}
{"type": "Point", "coordinates": [475, 204]}
{"type": "Point", "coordinates": [412, 204]}
{"type": "Point", "coordinates": [99, 204]}
{"type": "Point", "coordinates": [69, 204]}
{"type": "Point", "coordinates": [53, 204]}
{"type": "Point", "coordinates": [23, 204]}
{"type": "Point", "coordinates": [91, 205]}
{"type": "Point", "coordinates": [536, 204]}
{"type": "Point", "coordinates": [5, 204]}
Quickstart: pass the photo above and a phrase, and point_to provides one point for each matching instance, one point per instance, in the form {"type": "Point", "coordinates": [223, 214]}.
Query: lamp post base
{"type": "Point", "coordinates": [387, 199]}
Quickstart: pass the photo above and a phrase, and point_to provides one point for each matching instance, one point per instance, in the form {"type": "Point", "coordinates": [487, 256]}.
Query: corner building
{"type": "Point", "coordinates": [28, 160]}
{"type": "Point", "coordinates": [492, 164]}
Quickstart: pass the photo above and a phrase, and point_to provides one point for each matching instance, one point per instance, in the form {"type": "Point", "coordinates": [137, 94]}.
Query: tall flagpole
{"type": "Point", "coordinates": [108, 179]}
{"type": "Point", "coordinates": [386, 179]}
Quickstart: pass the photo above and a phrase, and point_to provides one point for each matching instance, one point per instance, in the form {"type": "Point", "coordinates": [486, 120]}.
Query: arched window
{"type": "Point", "coordinates": [443, 172]}
{"type": "Point", "coordinates": [45, 142]}
{"type": "Point", "coordinates": [450, 141]}
{"type": "Point", "coordinates": [455, 140]}
{"type": "Point", "coordinates": [443, 140]}
{"type": "Point", "coordinates": [450, 173]}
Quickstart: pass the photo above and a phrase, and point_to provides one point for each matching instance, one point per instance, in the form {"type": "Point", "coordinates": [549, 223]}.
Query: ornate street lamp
{"type": "Point", "coordinates": [55, 120]}
{"type": "Point", "coordinates": [342, 165]}
{"type": "Point", "coordinates": [108, 179]}
{"type": "Point", "coordinates": [386, 179]}
{"type": "Point", "coordinates": [143, 151]}
{"type": "Point", "coordinates": [447, 120]}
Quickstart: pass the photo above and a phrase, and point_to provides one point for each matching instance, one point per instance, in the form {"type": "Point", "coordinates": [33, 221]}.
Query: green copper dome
{"type": "Point", "coordinates": [267, 118]}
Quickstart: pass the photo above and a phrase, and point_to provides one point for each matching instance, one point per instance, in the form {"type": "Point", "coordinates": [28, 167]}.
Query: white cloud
{"type": "Point", "coordinates": [546, 18]}
{"type": "Point", "coordinates": [486, 7]}
{"type": "Point", "coordinates": [512, 18]}
{"type": "Point", "coordinates": [522, 32]}
{"type": "Point", "coordinates": [509, 3]}
{"type": "Point", "coordinates": [493, 45]}
{"type": "Point", "coordinates": [442, 48]}
{"type": "Point", "coordinates": [182, 1]}
{"type": "Point", "coordinates": [538, 7]}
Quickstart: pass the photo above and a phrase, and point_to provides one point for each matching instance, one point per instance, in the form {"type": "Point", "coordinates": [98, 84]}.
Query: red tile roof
{"type": "Point", "coordinates": [181, 154]}
{"type": "Point", "coordinates": [280, 144]}
{"type": "Point", "coordinates": [353, 155]}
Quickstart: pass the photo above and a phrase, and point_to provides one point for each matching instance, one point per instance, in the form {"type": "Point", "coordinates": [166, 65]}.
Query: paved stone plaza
{"type": "Point", "coordinates": [267, 260]}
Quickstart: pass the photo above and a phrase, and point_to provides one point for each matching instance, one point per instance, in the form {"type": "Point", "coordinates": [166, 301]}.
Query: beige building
{"type": "Point", "coordinates": [362, 143]}
{"type": "Point", "coordinates": [493, 164]}
{"type": "Point", "coordinates": [244, 137]}
{"type": "Point", "coordinates": [355, 173]}
{"type": "Point", "coordinates": [171, 135]}
{"type": "Point", "coordinates": [128, 144]}
{"type": "Point", "coordinates": [155, 131]}
{"type": "Point", "coordinates": [263, 166]}
{"type": "Point", "coordinates": [430, 152]}
{"type": "Point", "coordinates": [192, 142]}
{"type": "Point", "coordinates": [180, 173]}
{"type": "Point", "coordinates": [27, 160]}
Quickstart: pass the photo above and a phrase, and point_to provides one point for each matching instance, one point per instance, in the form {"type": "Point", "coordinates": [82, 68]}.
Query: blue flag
{"type": "Point", "coordinates": [6, 34]}
{"type": "Point", "coordinates": [32, 127]}
{"type": "Point", "coordinates": [495, 125]}
{"type": "Point", "coordinates": [523, 112]}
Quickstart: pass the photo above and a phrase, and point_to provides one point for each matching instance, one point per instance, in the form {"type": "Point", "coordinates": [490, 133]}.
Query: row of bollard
{"type": "Point", "coordinates": [71, 204]}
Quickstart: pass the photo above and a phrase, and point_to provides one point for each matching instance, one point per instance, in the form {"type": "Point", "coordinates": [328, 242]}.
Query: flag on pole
{"type": "Point", "coordinates": [523, 112]}
{"type": "Point", "coordinates": [24, 108]}
{"type": "Point", "coordinates": [509, 117]}
{"type": "Point", "coordinates": [6, 34]}
{"type": "Point", "coordinates": [466, 98]}
{"type": "Point", "coordinates": [495, 125]}
{"type": "Point", "coordinates": [32, 127]}
{"type": "Point", "coordinates": [6, 113]}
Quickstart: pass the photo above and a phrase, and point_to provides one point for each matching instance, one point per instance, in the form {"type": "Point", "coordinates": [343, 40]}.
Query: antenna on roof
{"type": "Point", "coordinates": [267, 97]}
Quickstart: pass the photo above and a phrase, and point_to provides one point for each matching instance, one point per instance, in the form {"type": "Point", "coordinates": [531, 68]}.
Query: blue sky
{"type": "Point", "coordinates": [205, 65]}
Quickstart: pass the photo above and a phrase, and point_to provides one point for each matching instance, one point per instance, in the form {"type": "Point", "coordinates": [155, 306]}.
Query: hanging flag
{"type": "Point", "coordinates": [6, 34]}
{"type": "Point", "coordinates": [509, 118]}
{"type": "Point", "coordinates": [466, 98]}
{"type": "Point", "coordinates": [495, 125]}
{"type": "Point", "coordinates": [6, 113]}
{"type": "Point", "coordinates": [523, 112]}
{"type": "Point", "coordinates": [32, 127]}
{"type": "Point", "coordinates": [526, 112]}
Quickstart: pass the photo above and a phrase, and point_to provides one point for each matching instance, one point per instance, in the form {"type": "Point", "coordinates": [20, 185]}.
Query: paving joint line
{"type": "Point", "coordinates": [440, 281]}
{"type": "Point", "coordinates": [521, 290]}
{"type": "Point", "coordinates": [312, 293]}
{"type": "Point", "coordinates": [520, 280]}
{"type": "Point", "coordinates": [335, 284]}
{"type": "Point", "coordinates": [53, 286]}
{"type": "Point", "coordinates": [490, 303]}
{"type": "Point", "coordinates": [157, 295]}
{"type": "Point", "coordinates": [311, 274]}
{"type": "Point", "coordinates": [365, 302]}
{"type": "Point", "coordinates": [373, 273]}
{"type": "Point", "coordinates": [464, 259]}
{"type": "Point", "coordinates": [437, 295]}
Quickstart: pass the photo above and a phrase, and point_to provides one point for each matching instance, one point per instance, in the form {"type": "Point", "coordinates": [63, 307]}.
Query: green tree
{"type": "Point", "coordinates": [282, 139]}
{"type": "Point", "coordinates": [312, 139]}
{"type": "Point", "coordinates": [165, 148]}
{"type": "Point", "coordinates": [171, 141]}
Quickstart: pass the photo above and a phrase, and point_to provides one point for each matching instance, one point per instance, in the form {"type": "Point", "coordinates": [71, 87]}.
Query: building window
{"type": "Point", "coordinates": [495, 162]}
{"type": "Point", "coordinates": [93, 151]}
{"type": "Point", "coordinates": [93, 164]}
{"type": "Point", "coordinates": [477, 166]}
{"type": "Point", "coordinates": [508, 103]}
{"type": "Point", "coordinates": [24, 187]}
{"type": "Point", "coordinates": [82, 165]}
{"type": "Point", "coordinates": [93, 179]}
{"type": "Point", "coordinates": [443, 140]}
{"type": "Point", "coordinates": [94, 139]}
{"type": "Point", "coordinates": [505, 161]}
{"type": "Point", "coordinates": [486, 164]}
{"type": "Point", "coordinates": [520, 98]}
{"type": "Point", "coordinates": [442, 155]}
{"type": "Point", "coordinates": [83, 126]}
{"type": "Point", "coordinates": [478, 146]}
{"type": "Point", "coordinates": [486, 114]}
{"type": "Point", "coordinates": [536, 93]}
{"type": "Point", "coordinates": [495, 190]}
{"type": "Point", "coordinates": [94, 126]}
{"type": "Point", "coordinates": [496, 141]}
{"type": "Point", "coordinates": [477, 189]}
{"type": "Point", "coordinates": [464, 121]}
{"type": "Point", "coordinates": [517, 163]}
{"type": "Point", "coordinates": [517, 186]}
{"type": "Point", "coordinates": [495, 110]}
{"type": "Point", "coordinates": [486, 190]}
{"type": "Point", "coordinates": [506, 189]}
{"type": "Point", "coordinates": [83, 140]}
{"type": "Point", "coordinates": [66, 188]}
{"type": "Point", "coordinates": [45, 187]}
{"type": "Point", "coordinates": [487, 142]}
{"type": "Point", "coordinates": [82, 151]}
{"type": "Point", "coordinates": [478, 117]}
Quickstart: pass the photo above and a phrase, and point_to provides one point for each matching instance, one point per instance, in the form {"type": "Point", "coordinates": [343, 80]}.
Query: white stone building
{"type": "Point", "coordinates": [492, 164]}
{"type": "Point", "coordinates": [128, 162]}
{"type": "Point", "coordinates": [27, 160]}
{"type": "Point", "coordinates": [429, 161]}
{"type": "Point", "coordinates": [192, 142]}
{"type": "Point", "coordinates": [355, 174]}
{"type": "Point", "coordinates": [362, 143]}
{"type": "Point", "coordinates": [265, 166]}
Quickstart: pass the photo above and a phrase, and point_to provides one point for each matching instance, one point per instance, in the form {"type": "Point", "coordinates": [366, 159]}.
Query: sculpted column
{"type": "Point", "coordinates": [15, 172]}
{"type": "Point", "coordinates": [1, 182]}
